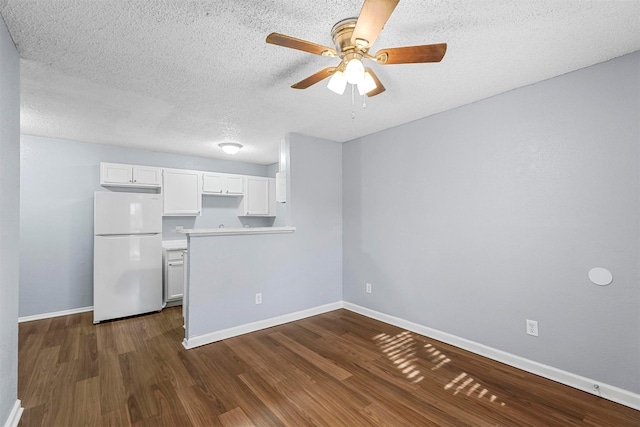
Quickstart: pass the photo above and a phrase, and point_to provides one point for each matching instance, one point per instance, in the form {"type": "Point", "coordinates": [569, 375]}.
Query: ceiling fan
{"type": "Point", "coordinates": [353, 37]}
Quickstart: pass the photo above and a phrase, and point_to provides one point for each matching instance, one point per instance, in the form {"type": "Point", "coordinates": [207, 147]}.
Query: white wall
{"type": "Point", "coordinates": [295, 271]}
{"type": "Point", "coordinates": [58, 179]}
{"type": "Point", "coordinates": [9, 222]}
{"type": "Point", "coordinates": [473, 220]}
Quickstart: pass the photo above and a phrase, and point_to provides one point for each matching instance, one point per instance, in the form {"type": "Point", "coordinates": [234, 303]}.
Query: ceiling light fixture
{"type": "Point", "coordinates": [367, 84]}
{"type": "Point", "coordinates": [354, 71]}
{"type": "Point", "coordinates": [230, 147]}
{"type": "Point", "coordinates": [337, 82]}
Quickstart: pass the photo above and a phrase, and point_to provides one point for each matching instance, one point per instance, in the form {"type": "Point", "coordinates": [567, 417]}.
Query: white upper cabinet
{"type": "Point", "coordinates": [143, 175]}
{"type": "Point", "coordinates": [222, 184]}
{"type": "Point", "coordinates": [259, 197]}
{"type": "Point", "coordinates": [235, 184]}
{"type": "Point", "coordinates": [121, 175]}
{"type": "Point", "coordinates": [182, 189]}
{"type": "Point", "coordinates": [181, 192]}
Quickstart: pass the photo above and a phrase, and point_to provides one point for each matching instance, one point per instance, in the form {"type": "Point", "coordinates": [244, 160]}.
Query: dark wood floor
{"type": "Point", "coordinates": [336, 369]}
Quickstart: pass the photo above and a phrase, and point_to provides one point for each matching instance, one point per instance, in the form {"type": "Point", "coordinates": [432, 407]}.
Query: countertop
{"type": "Point", "coordinates": [235, 231]}
{"type": "Point", "coordinates": [174, 244]}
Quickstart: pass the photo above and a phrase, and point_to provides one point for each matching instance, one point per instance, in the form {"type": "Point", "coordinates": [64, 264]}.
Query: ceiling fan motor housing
{"type": "Point", "coordinates": [341, 34]}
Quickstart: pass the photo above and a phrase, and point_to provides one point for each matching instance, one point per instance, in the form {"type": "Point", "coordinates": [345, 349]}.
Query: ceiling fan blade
{"type": "Point", "coordinates": [379, 87]}
{"type": "Point", "coordinates": [314, 78]}
{"type": "Point", "coordinates": [412, 54]}
{"type": "Point", "coordinates": [303, 45]}
{"type": "Point", "coordinates": [373, 16]}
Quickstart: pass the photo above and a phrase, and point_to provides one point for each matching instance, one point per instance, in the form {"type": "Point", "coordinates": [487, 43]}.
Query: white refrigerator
{"type": "Point", "coordinates": [127, 254]}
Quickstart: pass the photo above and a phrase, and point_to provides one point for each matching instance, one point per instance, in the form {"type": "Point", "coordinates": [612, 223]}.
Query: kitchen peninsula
{"type": "Point", "coordinates": [227, 272]}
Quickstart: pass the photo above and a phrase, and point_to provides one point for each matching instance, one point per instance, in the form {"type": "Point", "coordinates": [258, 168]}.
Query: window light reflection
{"type": "Point", "coordinates": [402, 349]}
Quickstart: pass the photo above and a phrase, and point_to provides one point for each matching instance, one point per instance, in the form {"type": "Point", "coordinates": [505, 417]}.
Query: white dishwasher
{"type": "Point", "coordinates": [173, 271]}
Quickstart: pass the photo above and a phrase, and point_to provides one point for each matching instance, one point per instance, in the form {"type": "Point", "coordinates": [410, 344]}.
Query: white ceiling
{"type": "Point", "coordinates": [181, 76]}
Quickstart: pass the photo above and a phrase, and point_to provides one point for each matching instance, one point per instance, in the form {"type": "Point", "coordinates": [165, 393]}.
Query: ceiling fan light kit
{"type": "Point", "coordinates": [230, 147]}
{"type": "Point", "coordinates": [367, 84]}
{"type": "Point", "coordinates": [354, 69]}
{"type": "Point", "coordinates": [353, 38]}
{"type": "Point", "coordinates": [337, 83]}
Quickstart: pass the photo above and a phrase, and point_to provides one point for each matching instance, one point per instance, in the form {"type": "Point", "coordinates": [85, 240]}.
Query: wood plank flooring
{"type": "Point", "coordinates": [335, 369]}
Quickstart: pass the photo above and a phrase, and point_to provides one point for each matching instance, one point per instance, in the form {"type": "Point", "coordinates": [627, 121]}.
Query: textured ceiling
{"type": "Point", "coordinates": [181, 76]}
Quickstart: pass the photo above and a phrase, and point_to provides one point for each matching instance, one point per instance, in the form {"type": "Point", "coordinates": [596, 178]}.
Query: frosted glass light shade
{"type": "Point", "coordinates": [367, 84]}
{"type": "Point", "coordinates": [230, 147]}
{"type": "Point", "coordinates": [354, 71]}
{"type": "Point", "coordinates": [337, 82]}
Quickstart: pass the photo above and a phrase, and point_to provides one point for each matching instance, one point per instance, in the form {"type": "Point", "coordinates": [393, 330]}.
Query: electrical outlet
{"type": "Point", "coordinates": [259, 298]}
{"type": "Point", "coordinates": [368, 288]}
{"type": "Point", "coordinates": [532, 327]}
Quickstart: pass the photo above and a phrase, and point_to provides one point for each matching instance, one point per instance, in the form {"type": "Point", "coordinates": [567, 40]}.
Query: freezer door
{"type": "Point", "coordinates": [127, 276]}
{"type": "Point", "coordinates": [127, 213]}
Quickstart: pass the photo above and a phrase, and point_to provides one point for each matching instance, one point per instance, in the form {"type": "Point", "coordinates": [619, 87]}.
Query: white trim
{"type": "Point", "coordinates": [198, 340]}
{"type": "Point", "coordinates": [14, 415]}
{"type": "Point", "coordinates": [607, 391]}
{"type": "Point", "coordinates": [54, 314]}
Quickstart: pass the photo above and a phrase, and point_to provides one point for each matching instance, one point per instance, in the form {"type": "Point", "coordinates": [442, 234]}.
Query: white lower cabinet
{"type": "Point", "coordinates": [181, 192]}
{"type": "Point", "coordinates": [259, 197]}
{"type": "Point", "coordinates": [173, 275]}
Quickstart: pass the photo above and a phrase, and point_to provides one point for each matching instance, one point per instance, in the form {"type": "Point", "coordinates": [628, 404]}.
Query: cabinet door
{"type": "Point", "coordinates": [235, 184]}
{"type": "Point", "coordinates": [113, 174]}
{"type": "Point", "coordinates": [212, 183]}
{"type": "Point", "coordinates": [272, 197]}
{"type": "Point", "coordinates": [175, 280]}
{"type": "Point", "coordinates": [181, 193]}
{"type": "Point", "coordinates": [143, 175]}
{"type": "Point", "coordinates": [257, 196]}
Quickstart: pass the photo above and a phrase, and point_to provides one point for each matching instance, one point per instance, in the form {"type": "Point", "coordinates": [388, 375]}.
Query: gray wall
{"type": "Point", "coordinates": [9, 220]}
{"type": "Point", "coordinates": [58, 179]}
{"type": "Point", "coordinates": [473, 220]}
{"type": "Point", "coordinates": [293, 271]}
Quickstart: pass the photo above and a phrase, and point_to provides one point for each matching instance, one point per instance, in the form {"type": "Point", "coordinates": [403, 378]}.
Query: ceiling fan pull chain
{"type": "Point", "coordinates": [353, 101]}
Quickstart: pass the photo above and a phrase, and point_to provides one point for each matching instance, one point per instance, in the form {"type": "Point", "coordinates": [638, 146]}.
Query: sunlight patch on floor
{"type": "Point", "coordinates": [462, 381]}
{"type": "Point", "coordinates": [401, 349]}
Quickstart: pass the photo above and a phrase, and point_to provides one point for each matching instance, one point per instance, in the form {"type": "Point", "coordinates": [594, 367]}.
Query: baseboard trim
{"type": "Point", "coordinates": [14, 415]}
{"type": "Point", "coordinates": [199, 340]}
{"type": "Point", "coordinates": [54, 314]}
{"type": "Point", "coordinates": [607, 391]}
